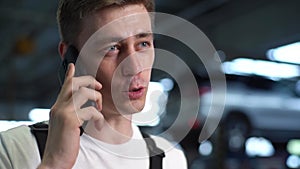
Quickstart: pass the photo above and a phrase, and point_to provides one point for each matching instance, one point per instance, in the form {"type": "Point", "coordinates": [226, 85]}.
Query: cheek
{"type": "Point", "coordinates": [104, 74]}
{"type": "Point", "coordinates": [147, 74]}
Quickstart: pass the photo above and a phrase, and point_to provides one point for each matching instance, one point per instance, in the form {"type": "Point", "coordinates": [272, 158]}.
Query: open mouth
{"type": "Point", "coordinates": [136, 89]}
{"type": "Point", "coordinates": [136, 93]}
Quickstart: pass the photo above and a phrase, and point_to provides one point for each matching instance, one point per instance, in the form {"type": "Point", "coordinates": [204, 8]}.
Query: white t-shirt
{"type": "Point", "coordinates": [18, 150]}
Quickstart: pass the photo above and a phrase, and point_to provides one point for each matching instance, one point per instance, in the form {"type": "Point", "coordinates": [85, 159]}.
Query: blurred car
{"type": "Point", "coordinates": [255, 106]}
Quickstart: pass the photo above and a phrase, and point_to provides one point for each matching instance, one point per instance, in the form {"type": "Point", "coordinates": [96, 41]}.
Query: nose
{"type": "Point", "coordinates": [132, 63]}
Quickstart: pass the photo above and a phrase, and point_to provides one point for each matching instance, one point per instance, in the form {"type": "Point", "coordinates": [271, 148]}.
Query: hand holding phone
{"type": "Point", "coordinates": [71, 57]}
{"type": "Point", "coordinates": [67, 116]}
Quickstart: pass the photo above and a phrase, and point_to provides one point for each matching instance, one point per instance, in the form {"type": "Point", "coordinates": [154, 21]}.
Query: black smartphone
{"type": "Point", "coordinates": [70, 57]}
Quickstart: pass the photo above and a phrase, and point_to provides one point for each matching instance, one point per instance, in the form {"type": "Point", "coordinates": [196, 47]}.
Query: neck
{"type": "Point", "coordinates": [117, 129]}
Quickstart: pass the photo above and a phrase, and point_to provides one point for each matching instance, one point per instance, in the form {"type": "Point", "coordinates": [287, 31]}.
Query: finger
{"type": "Point", "coordinates": [66, 88]}
{"type": "Point", "coordinates": [84, 94]}
{"type": "Point", "coordinates": [89, 113]}
{"type": "Point", "coordinates": [70, 72]}
{"type": "Point", "coordinates": [72, 83]}
{"type": "Point", "coordinates": [86, 81]}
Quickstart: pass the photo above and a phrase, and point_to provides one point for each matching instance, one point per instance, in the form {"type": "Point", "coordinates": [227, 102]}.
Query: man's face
{"type": "Point", "coordinates": [126, 43]}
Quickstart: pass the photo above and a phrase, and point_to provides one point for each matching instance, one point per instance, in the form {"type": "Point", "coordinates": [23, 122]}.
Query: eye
{"type": "Point", "coordinates": [144, 44]}
{"type": "Point", "coordinates": [112, 48]}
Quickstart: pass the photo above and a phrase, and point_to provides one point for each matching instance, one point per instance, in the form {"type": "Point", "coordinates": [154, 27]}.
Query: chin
{"type": "Point", "coordinates": [137, 106]}
{"type": "Point", "coordinates": [133, 107]}
{"type": "Point", "coordinates": [130, 106]}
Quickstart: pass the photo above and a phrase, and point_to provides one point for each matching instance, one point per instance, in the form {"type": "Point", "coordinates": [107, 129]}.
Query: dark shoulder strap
{"type": "Point", "coordinates": [40, 131]}
{"type": "Point", "coordinates": [156, 154]}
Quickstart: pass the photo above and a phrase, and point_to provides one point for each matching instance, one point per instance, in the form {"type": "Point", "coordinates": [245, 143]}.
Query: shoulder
{"type": "Point", "coordinates": [15, 132]}
{"type": "Point", "coordinates": [17, 136]}
{"type": "Point", "coordinates": [18, 144]}
{"type": "Point", "coordinates": [175, 157]}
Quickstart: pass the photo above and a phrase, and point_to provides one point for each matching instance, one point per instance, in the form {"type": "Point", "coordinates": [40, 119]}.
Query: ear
{"type": "Point", "coordinates": [62, 49]}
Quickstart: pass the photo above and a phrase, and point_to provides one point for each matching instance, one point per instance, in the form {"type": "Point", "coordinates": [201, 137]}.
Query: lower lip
{"type": "Point", "coordinates": [133, 95]}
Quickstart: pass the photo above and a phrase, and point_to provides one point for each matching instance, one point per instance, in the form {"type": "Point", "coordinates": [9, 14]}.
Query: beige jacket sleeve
{"type": "Point", "coordinates": [18, 149]}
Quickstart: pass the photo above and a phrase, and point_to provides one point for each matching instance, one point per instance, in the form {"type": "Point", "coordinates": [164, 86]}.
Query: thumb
{"type": "Point", "coordinates": [71, 71]}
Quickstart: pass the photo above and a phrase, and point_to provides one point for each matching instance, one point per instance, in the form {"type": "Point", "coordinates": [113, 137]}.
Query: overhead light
{"type": "Point", "coordinates": [259, 146]}
{"type": "Point", "coordinates": [293, 147]}
{"type": "Point", "coordinates": [38, 115]}
{"type": "Point", "coordinates": [167, 84]}
{"type": "Point", "coordinates": [288, 53]}
{"type": "Point", "coordinates": [272, 70]}
{"type": "Point", "coordinates": [205, 148]}
{"type": "Point", "coordinates": [24, 45]}
{"type": "Point", "coordinates": [293, 161]}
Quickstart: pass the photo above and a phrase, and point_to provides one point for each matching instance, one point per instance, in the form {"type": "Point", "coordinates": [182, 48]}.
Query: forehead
{"type": "Point", "coordinates": [111, 13]}
{"type": "Point", "coordinates": [117, 21]}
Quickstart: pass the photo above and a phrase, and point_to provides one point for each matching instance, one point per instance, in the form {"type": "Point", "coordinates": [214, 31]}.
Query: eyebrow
{"type": "Point", "coordinates": [119, 39]}
{"type": "Point", "coordinates": [144, 35]}
{"type": "Point", "coordinates": [138, 36]}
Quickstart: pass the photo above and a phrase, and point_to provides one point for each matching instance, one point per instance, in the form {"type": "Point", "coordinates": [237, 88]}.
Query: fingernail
{"type": "Point", "coordinates": [69, 65]}
{"type": "Point", "coordinates": [68, 69]}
